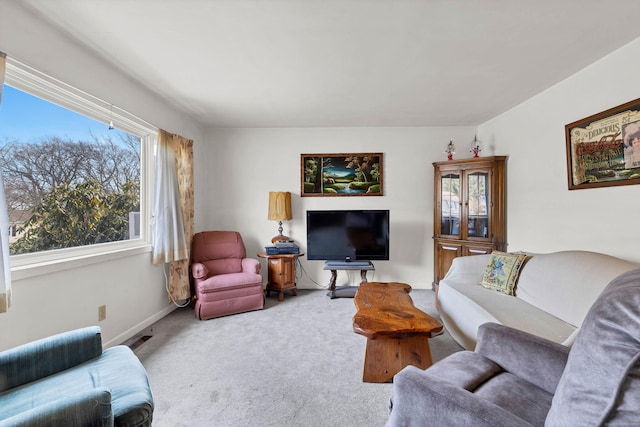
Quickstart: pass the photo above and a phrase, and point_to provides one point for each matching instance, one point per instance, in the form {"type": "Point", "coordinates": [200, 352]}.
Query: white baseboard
{"type": "Point", "coordinates": [131, 332]}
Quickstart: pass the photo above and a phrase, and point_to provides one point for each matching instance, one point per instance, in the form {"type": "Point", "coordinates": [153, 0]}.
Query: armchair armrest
{"type": "Point", "coordinates": [530, 357]}
{"type": "Point", "coordinates": [250, 265]}
{"type": "Point", "coordinates": [90, 408]}
{"type": "Point", "coordinates": [39, 359]}
{"type": "Point", "coordinates": [421, 399]}
{"type": "Point", "coordinates": [199, 271]}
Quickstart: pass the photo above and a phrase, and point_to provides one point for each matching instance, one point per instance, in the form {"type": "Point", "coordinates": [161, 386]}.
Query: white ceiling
{"type": "Point", "coordinates": [298, 63]}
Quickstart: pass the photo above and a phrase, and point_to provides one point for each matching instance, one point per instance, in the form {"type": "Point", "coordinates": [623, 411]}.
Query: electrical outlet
{"type": "Point", "coordinates": [102, 312]}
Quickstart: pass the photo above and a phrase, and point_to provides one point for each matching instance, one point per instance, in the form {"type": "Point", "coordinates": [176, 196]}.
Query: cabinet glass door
{"type": "Point", "coordinates": [450, 204]}
{"type": "Point", "coordinates": [478, 200]}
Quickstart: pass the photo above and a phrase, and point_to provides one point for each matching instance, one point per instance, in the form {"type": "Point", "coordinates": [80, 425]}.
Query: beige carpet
{"type": "Point", "coordinates": [295, 363]}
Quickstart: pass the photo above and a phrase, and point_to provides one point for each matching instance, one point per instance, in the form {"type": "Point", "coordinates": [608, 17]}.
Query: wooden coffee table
{"type": "Point", "coordinates": [397, 332]}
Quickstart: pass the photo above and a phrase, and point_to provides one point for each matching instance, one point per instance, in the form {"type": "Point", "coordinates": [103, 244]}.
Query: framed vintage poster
{"type": "Point", "coordinates": [604, 149]}
{"type": "Point", "coordinates": [359, 174]}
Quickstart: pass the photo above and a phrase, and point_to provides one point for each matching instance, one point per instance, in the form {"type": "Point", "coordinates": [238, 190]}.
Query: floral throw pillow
{"type": "Point", "coordinates": [502, 271]}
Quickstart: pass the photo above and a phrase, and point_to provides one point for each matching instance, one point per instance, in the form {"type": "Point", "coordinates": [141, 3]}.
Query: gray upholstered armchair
{"type": "Point", "coordinates": [517, 379]}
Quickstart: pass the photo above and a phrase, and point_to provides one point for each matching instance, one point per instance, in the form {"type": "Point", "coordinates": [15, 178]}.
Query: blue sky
{"type": "Point", "coordinates": [28, 118]}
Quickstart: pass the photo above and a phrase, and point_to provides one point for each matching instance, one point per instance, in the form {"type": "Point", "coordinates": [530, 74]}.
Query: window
{"type": "Point", "coordinates": [75, 169]}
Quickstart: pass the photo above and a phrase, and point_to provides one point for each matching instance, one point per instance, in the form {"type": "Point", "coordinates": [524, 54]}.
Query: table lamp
{"type": "Point", "coordinates": [279, 210]}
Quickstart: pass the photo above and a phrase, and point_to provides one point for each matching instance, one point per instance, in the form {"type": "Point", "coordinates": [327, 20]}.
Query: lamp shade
{"type": "Point", "coordinates": [280, 206]}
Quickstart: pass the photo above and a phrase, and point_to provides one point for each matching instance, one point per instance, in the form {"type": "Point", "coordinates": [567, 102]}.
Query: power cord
{"type": "Point", "coordinates": [309, 277]}
{"type": "Point", "coordinates": [166, 286]}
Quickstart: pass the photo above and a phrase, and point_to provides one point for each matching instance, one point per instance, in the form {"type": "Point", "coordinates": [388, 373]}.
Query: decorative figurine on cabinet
{"type": "Point", "coordinates": [476, 147]}
{"type": "Point", "coordinates": [451, 150]}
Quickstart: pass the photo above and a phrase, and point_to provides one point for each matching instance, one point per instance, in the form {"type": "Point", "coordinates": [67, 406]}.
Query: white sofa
{"type": "Point", "coordinates": [552, 296]}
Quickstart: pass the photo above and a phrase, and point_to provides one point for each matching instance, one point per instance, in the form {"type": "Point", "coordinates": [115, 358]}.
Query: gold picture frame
{"type": "Point", "coordinates": [603, 150]}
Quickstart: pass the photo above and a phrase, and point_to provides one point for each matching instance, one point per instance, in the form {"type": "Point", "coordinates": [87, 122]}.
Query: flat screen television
{"type": "Point", "coordinates": [348, 235]}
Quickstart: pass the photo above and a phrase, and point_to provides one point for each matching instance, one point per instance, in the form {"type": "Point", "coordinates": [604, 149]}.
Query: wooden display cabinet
{"type": "Point", "coordinates": [281, 273]}
{"type": "Point", "coordinates": [469, 210]}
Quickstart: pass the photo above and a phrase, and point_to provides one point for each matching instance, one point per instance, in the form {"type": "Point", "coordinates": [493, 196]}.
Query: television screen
{"type": "Point", "coordinates": [348, 235]}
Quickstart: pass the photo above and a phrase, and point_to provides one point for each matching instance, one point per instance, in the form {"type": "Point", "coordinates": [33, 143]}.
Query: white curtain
{"type": "Point", "coordinates": [5, 266]}
{"type": "Point", "coordinates": [169, 242]}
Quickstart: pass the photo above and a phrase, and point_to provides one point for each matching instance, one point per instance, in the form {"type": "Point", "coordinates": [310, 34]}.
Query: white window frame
{"type": "Point", "coordinates": [27, 79]}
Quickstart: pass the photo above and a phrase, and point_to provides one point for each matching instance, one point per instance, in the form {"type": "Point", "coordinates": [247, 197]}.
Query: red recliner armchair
{"type": "Point", "coordinates": [225, 281]}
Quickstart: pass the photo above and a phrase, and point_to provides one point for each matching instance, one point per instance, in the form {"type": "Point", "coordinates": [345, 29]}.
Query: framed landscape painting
{"type": "Point", "coordinates": [603, 150]}
{"type": "Point", "coordinates": [359, 174]}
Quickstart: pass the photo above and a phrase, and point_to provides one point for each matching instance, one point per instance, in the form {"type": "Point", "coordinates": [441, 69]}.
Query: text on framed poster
{"type": "Point", "coordinates": [604, 149]}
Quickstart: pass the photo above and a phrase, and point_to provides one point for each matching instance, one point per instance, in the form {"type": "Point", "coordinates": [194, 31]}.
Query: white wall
{"type": "Point", "coordinates": [131, 287]}
{"type": "Point", "coordinates": [243, 165]}
{"type": "Point", "coordinates": [543, 215]}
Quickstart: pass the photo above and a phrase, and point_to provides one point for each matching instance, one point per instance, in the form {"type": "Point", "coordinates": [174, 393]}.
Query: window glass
{"type": "Point", "coordinates": [69, 180]}
{"type": "Point", "coordinates": [450, 204]}
{"type": "Point", "coordinates": [478, 224]}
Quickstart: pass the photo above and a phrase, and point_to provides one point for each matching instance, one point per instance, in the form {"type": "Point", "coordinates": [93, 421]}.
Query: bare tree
{"type": "Point", "coordinates": [33, 170]}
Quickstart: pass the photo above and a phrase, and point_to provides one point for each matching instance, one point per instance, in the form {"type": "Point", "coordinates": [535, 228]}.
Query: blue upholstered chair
{"type": "Point", "coordinates": [68, 380]}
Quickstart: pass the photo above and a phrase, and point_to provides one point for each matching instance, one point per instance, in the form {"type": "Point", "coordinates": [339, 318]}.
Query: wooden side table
{"type": "Point", "coordinates": [282, 273]}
